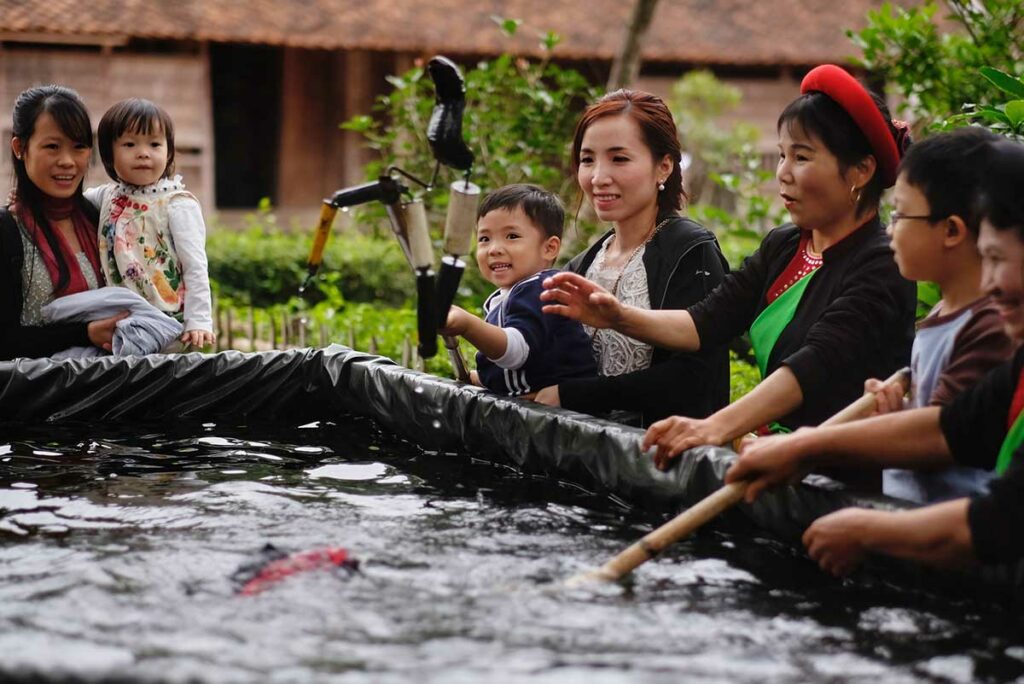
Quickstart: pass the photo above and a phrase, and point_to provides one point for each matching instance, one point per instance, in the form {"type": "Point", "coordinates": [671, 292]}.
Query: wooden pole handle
{"type": "Point", "coordinates": [709, 507]}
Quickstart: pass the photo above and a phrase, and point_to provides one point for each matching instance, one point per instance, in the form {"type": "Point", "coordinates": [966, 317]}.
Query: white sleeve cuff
{"type": "Point", "coordinates": [516, 350]}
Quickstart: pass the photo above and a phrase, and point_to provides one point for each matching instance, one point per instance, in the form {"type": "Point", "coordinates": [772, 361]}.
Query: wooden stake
{"type": "Point", "coordinates": [229, 331]}
{"type": "Point", "coordinates": [252, 329]}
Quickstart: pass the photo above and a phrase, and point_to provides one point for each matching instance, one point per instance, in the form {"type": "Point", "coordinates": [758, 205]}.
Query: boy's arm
{"type": "Point", "coordinates": [939, 535]}
{"type": "Point", "coordinates": [908, 439]}
{"type": "Point", "coordinates": [489, 339]}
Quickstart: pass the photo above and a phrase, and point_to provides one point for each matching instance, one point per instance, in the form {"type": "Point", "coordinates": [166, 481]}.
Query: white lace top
{"type": "Point", "coordinates": [617, 354]}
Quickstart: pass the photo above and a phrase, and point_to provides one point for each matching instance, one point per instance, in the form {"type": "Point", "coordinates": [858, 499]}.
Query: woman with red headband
{"type": "Point", "coordinates": [821, 298]}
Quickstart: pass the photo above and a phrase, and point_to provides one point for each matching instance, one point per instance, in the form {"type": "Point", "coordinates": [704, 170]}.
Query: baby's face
{"type": "Point", "coordinates": [140, 158]}
{"type": "Point", "coordinates": [509, 247]}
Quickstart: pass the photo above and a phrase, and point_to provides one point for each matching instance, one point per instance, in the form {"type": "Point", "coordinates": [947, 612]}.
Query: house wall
{"type": "Point", "coordinates": [179, 83]}
{"type": "Point", "coordinates": [320, 90]}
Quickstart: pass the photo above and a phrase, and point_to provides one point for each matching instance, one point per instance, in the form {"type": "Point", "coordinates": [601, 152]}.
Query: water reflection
{"type": "Point", "coordinates": [116, 552]}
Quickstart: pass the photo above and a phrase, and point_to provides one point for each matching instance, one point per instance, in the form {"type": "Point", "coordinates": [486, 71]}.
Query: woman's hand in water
{"type": "Point", "coordinates": [548, 396]}
{"type": "Point", "coordinates": [676, 434]}
{"type": "Point", "coordinates": [101, 331]}
{"type": "Point", "coordinates": [573, 296]}
{"type": "Point", "coordinates": [458, 321]}
{"type": "Point", "coordinates": [197, 338]}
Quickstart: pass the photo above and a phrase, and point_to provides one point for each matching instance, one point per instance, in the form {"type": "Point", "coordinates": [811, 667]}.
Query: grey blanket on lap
{"type": "Point", "coordinates": [146, 330]}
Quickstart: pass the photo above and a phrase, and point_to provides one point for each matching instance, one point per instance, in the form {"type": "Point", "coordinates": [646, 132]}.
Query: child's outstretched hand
{"type": "Point", "coordinates": [197, 338]}
{"type": "Point", "coordinates": [457, 323]}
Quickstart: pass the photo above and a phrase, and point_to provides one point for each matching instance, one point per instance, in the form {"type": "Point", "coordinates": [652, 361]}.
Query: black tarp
{"type": "Point", "coordinates": [436, 413]}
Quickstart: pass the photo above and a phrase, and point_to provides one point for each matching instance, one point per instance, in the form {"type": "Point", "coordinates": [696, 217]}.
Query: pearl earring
{"type": "Point", "coordinates": [661, 186]}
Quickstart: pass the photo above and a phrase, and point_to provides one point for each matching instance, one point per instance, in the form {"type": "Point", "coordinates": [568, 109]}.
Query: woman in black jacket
{"type": "Point", "coordinates": [626, 155]}
{"type": "Point", "coordinates": [48, 240]}
{"type": "Point", "coordinates": [822, 298]}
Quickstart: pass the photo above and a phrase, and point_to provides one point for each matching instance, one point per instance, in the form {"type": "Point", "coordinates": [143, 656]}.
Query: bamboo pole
{"type": "Point", "coordinates": [709, 507]}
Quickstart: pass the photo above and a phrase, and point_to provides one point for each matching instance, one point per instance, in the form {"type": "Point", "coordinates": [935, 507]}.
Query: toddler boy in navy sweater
{"type": "Point", "coordinates": [520, 348]}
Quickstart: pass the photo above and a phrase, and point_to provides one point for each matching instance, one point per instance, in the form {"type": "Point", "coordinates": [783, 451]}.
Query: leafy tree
{"type": "Point", "coordinates": [518, 121]}
{"type": "Point", "coordinates": [934, 63]}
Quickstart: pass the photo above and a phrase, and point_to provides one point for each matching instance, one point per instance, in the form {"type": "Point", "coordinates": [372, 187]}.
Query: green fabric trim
{"type": "Point", "coordinates": [770, 323]}
{"type": "Point", "coordinates": [1013, 440]}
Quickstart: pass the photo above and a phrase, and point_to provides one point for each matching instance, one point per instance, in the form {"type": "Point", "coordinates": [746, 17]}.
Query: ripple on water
{"type": "Point", "coordinates": [129, 575]}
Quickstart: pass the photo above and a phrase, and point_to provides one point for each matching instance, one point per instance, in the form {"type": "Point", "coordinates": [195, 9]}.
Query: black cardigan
{"type": "Point", "coordinates": [974, 425]}
{"type": "Point", "coordinates": [684, 264]}
{"type": "Point", "coordinates": [855, 320]}
{"type": "Point", "coordinates": [17, 340]}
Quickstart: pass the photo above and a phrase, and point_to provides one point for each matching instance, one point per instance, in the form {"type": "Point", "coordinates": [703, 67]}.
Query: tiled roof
{"type": "Point", "coordinates": [741, 32]}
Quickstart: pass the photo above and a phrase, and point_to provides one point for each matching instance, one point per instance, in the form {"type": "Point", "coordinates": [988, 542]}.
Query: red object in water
{"type": "Point", "coordinates": [287, 565]}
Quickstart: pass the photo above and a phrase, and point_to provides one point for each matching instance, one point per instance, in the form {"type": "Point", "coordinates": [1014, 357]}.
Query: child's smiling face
{"type": "Point", "coordinates": [140, 158]}
{"type": "Point", "coordinates": [1002, 275]}
{"type": "Point", "coordinates": [510, 247]}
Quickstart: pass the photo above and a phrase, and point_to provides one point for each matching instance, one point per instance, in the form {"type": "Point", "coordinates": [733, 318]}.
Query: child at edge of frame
{"type": "Point", "coordinates": [934, 231]}
{"type": "Point", "coordinates": [520, 348]}
{"type": "Point", "coordinates": [152, 237]}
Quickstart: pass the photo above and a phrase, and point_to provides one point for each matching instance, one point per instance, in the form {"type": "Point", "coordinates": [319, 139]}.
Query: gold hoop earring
{"type": "Point", "coordinates": [855, 194]}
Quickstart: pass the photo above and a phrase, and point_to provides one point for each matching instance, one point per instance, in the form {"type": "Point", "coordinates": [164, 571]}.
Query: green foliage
{"type": "Point", "coordinates": [518, 120]}
{"type": "Point", "coordinates": [743, 376]}
{"type": "Point", "coordinates": [263, 266]}
{"type": "Point", "coordinates": [729, 187]}
{"type": "Point", "coordinates": [935, 70]}
{"type": "Point", "coordinates": [928, 295]}
{"type": "Point", "coordinates": [1006, 118]}
{"type": "Point", "coordinates": [361, 325]}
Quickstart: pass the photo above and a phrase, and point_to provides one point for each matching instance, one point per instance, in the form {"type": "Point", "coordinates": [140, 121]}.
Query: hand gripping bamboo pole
{"type": "Point", "coordinates": [709, 507]}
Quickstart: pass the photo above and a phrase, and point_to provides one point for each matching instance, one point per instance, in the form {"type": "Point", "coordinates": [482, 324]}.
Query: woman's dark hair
{"type": "Point", "coordinates": [822, 117]}
{"type": "Point", "coordinates": [948, 169]}
{"type": "Point", "coordinates": [68, 111]}
{"type": "Point", "coordinates": [659, 131]}
{"type": "Point", "coordinates": [134, 116]}
{"type": "Point", "coordinates": [1001, 201]}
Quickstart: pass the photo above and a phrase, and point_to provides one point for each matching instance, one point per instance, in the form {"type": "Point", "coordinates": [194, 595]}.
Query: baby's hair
{"type": "Point", "coordinates": [1001, 202]}
{"type": "Point", "coordinates": [134, 115]}
{"type": "Point", "coordinates": [948, 169]}
{"type": "Point", "coordinates": [543, 208]}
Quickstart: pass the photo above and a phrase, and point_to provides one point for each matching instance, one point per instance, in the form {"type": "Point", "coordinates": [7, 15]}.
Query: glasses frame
{"type": "Point", "coordinates": [895, 217]}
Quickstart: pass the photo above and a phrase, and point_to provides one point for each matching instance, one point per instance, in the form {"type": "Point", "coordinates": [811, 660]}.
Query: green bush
{"type": "Point", "coordinates": [743, 376]}
{"type": "Point", "coordinates": [265, 267]}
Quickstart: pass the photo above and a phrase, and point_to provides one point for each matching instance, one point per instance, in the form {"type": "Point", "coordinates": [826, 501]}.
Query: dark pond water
{"type": "Point", "coordinates": [118, 542]}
